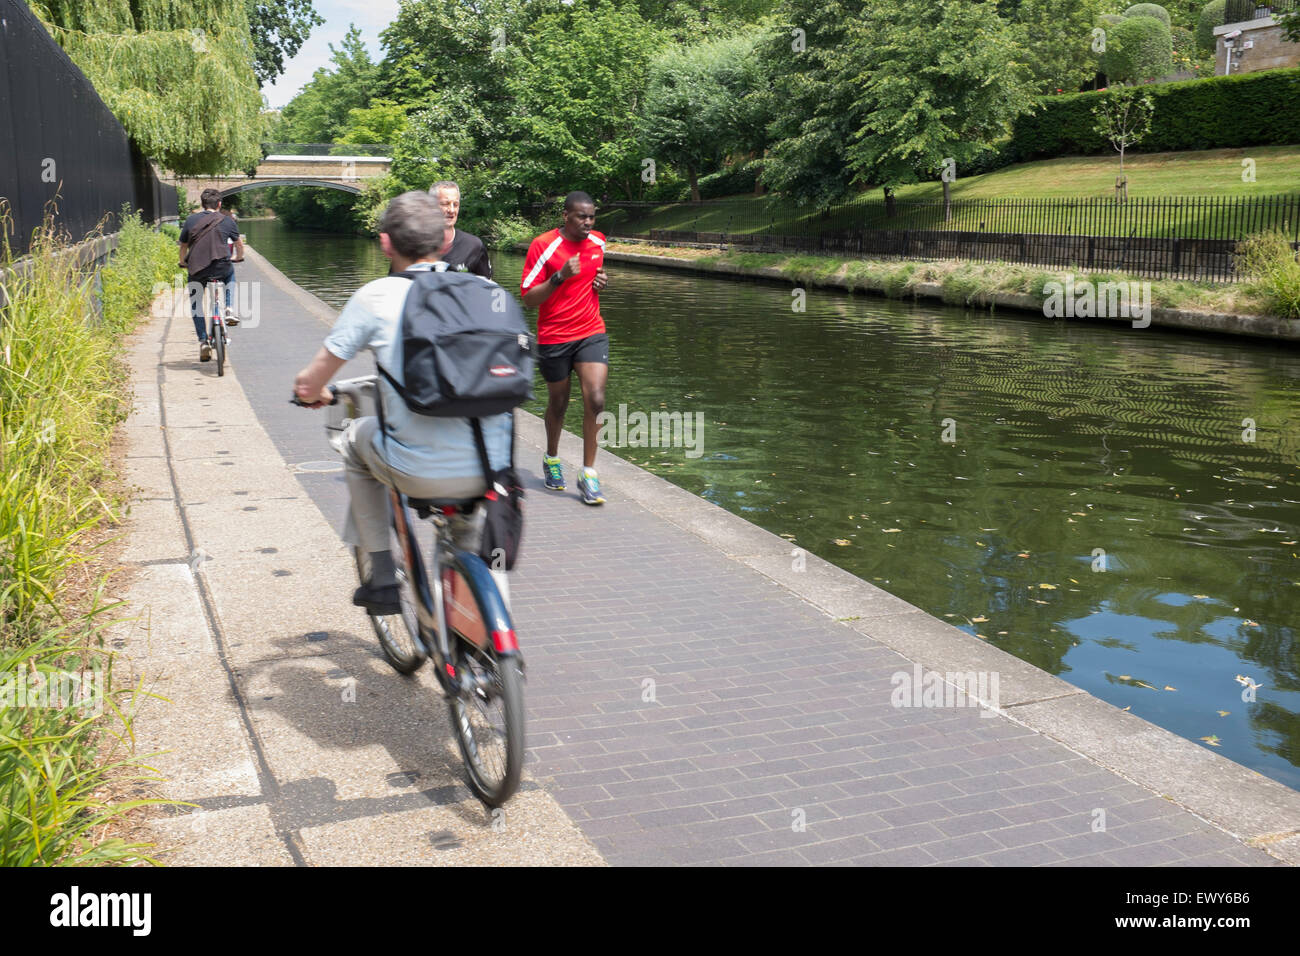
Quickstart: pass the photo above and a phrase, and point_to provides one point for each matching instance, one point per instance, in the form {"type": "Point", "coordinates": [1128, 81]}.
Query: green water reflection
{"type": "Point", "coordinates": [1102, 512]}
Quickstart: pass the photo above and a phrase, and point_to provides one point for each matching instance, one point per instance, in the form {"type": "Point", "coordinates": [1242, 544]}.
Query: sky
{"type": "Point", "coordinates": [370, 16]}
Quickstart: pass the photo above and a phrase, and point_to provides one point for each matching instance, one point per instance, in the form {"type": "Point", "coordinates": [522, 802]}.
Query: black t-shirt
{"type": "Point", "coordinates": [226, 227]}
{"type": "Point", "coordinates": [468, 254]}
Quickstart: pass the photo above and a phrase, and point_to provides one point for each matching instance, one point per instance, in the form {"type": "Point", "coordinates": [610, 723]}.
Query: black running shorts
{"type": "Point", "coordinates": [557, 360]}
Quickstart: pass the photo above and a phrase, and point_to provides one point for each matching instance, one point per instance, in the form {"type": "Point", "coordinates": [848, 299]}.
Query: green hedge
{"type": "Point", "coordinates": [1222, 112]}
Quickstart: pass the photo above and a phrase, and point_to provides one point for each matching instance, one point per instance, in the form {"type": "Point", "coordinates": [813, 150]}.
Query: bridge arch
{"type": "Point", "coordinates": [265, 183]}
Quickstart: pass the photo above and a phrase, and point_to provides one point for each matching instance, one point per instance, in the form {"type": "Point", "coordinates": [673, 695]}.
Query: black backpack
{"type": "Point", "coordinates": [464, 346]}
{"type": "Point", "coordinates": [466, 353]}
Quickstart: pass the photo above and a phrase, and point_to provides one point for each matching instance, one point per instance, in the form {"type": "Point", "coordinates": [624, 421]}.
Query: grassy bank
{"type": "Point", "coordinates": [63, 731]}
{"type": "Point", "coordinates": [962, 282]}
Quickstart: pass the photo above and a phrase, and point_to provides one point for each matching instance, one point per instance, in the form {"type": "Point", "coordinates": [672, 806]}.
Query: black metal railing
{"type": "Point", "coordinates": [1191, 237]}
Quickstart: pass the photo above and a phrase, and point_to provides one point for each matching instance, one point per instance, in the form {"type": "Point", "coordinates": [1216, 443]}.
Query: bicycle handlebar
{"type": "Point", "coordinates": [351, 388]}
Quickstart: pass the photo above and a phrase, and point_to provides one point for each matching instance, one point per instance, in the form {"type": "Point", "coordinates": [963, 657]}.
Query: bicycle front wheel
{"type": "Point", "coordinates": [488, 715]}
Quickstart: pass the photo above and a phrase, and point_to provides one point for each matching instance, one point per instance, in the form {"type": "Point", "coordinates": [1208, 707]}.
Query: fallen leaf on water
{"type": "Point", "coordinates": [1200, 597]}
{"type": "Point", "coordinates": [1036, 601]}
{"type": "Point", "coordinates": [1023, 554]}
{"type": "Point", "coordinates": [1142, 683]}
{"type": "Point", "coordinates": [1002, 632]}
{"type": "Point", "coordinates": [1048, 587]}
{"type": "Point", "coordinates": [1079, 514]}
{"type": "Point", "coordinates": [841, 541]}
{"type": "Point", "coordinates": [978, 620]}
{"type": "Point", "coordinates": [981, 637]}
{"type": "Point", "coordinates": [1167, 687]}
{"type": "Point", "coordinates": [1125, 677]}
{"type": "Point", "coordinates": [890, 530]}
{"type": "Point", "coordinates": [1129, 707]}
{"type": "Point", "coordinates": [1212, 740]}
{"type": "Point", "coordinates": [1072, 581]}
{"type": "Point", "coordinates": [1251, 623]}
{"type": "Point", "coordinates": [1224, 713]}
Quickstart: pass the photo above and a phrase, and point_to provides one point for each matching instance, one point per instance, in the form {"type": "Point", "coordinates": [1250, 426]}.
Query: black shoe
{"type": "Point", "coordinates": [381, 601]}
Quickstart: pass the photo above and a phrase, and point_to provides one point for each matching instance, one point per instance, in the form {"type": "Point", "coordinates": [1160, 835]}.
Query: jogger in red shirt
{"type": "Point", "coordinates": [564, 272]}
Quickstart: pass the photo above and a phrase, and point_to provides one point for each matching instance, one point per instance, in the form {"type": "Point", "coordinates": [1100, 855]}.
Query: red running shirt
{"type": "Point", "coordinates": [573, 310]}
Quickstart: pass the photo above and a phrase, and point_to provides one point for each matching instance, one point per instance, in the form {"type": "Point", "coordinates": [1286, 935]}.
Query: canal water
{"type": "Point", "coordinates": [1117, 506]}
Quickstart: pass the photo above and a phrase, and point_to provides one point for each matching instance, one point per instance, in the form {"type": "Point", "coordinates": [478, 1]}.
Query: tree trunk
{"type": "Point", "coordinates": [694, 178]}
{"type": "Point", "coordinates": [890, 210]}
{"type": "Point", "coordinates": [947, 201]}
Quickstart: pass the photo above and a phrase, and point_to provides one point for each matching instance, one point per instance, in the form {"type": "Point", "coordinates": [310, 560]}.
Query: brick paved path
{"type": "Point", "coordinates": [683, 708]}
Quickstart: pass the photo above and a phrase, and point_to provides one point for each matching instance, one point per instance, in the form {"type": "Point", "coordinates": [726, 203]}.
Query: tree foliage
{"type": "Point", "coordinates": [1124, 120]}
{"type": "Point", "coordinates": [577, 78]}
{"type": "Point", "coordinates": [320, 113]}
{"type": "Point", "coordinates": [701, 103]}
{"type": "Point", "coordinates": [923, 103]}
{"type": "Point", "coordinates": [279, 29]}
{"type": "Point", "coordinates": [178, 75]}
{"type": "Point", "coordinates": [812, 99]}
{"type": "Point", "coordinates": [1056, 39]}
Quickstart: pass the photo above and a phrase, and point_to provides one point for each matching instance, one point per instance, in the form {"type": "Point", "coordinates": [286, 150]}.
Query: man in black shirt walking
{"type": "Point", "coordinates": [464, 251]}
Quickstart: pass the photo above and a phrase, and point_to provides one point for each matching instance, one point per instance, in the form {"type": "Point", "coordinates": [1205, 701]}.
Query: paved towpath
{"type": "Point", "coordinates": [693, 697]}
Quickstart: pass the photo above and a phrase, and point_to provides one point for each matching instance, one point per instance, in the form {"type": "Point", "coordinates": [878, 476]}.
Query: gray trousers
{"type": "Point", "coordinates": [369, 477]}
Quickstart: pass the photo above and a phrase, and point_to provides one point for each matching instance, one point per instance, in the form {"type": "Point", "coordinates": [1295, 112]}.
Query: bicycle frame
{"type": "Point", "coordinates": [432, 608]}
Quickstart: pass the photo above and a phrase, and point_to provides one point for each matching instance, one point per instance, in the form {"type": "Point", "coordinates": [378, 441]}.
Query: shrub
{"type": "Point", "coordinates": [1148, 10]}
{"type": "Point", "coordinates": [1252, 109]}
{"type": "Point", "coordinates": [1273, 271]}
{"type": "Point", "coordinates": [1212, 15]}
{"type": "Point", "coordinates": [729, 181]}
{"type": "Point", "coordinates": [505, 232]}
{"type": "Point", "coordinates": [1140, 48]}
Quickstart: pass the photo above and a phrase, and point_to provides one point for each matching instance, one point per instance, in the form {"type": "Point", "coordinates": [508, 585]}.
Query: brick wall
{"type": "Point", "coordinates": [1271, 50]}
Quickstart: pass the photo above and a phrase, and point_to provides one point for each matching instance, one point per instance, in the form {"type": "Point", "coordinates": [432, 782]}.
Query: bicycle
{"type": "Point", "coordinates": [456, 617]}
{"type": "Point", "coordinates": [216, 319]}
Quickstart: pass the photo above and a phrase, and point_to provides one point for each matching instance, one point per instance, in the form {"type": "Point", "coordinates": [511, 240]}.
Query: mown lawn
{"type": "Point", "coordinates": [1192, 189]}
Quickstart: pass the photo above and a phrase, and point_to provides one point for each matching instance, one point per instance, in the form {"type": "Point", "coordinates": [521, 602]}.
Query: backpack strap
{"type": "Point", "coordinates": [199, 234]}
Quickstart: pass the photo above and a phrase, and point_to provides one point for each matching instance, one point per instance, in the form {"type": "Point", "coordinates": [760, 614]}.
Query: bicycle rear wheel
{"type": "Point", "coordinates": [397, 633]}
{"type": "Point", "coordinates": [488, 716]}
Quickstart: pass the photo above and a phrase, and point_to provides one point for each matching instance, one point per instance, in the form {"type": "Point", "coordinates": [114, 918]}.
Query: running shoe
{"type": "Point", "coordinates": [231, 318]}
{"type": "Point", "coordinates": [554, 473]}
{"type": "Point", "coordinates": [205, 351]}
{"type": "Point", "coordinates": [589, 485]}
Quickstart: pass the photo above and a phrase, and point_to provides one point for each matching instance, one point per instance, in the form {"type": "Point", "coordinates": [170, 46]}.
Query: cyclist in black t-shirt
{"type": "Point", "coordinates": [206, 240]}
{"type": "Point", "coordinates": [464, 251]}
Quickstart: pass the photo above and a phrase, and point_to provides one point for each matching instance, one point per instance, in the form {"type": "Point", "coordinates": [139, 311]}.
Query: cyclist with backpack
{"type": "Point", "coordinates": [429, 446]}
{"type": "Point", "coordinates": [207, 238]}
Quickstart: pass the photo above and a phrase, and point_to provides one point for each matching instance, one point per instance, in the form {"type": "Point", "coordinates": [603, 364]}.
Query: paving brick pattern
{"type": "Point", "coordinates": [686, 710]}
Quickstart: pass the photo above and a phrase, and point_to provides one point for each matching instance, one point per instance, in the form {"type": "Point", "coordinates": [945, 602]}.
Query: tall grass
{"type": "Point", "coordinates": [63, 759]}
{"type": "Point", "coordinates": [1274, 271]}
{"type": "Point", "coordinates": [62, 393]}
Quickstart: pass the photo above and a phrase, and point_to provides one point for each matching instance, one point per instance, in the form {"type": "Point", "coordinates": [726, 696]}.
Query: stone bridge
{"type": "Point", "coordinates": [347, 173]}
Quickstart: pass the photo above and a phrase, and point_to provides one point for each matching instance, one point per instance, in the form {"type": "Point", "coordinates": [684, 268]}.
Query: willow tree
{"type": "Point", "coordinates": [178, 75]}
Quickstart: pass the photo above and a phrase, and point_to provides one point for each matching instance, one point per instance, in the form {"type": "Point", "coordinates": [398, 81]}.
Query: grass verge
{"type": "Point", "coordinates": [962, 282]}
{"type": "Point", "coordinates": [62, 394]}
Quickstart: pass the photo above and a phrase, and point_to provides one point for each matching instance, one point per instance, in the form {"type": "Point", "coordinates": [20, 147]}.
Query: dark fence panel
{"type": "Point", "coordinates": [1190, 237]}
{"type": "Point", "coordinates": [58, 141]}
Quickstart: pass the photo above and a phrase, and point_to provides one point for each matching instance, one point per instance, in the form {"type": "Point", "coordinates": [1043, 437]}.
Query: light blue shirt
{"type": "Point", "coordinates": [422, 445]}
